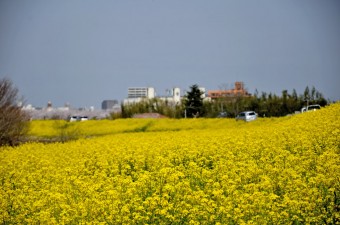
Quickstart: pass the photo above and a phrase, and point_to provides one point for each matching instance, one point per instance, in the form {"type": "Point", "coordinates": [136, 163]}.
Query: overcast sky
{"type": "Point", "coordinates": [84, 51]}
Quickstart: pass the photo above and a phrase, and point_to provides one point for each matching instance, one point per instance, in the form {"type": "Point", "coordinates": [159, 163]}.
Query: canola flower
{"type": "Point", "coordinates": [199, 171]}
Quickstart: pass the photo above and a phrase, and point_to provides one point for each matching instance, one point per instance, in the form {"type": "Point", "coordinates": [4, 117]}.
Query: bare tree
{"type": "Point", "coordinates": [13, 120]}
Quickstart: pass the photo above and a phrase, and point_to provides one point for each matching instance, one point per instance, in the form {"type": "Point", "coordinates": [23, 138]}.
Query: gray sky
{"type": "Point", "coordinates": [83, 52]}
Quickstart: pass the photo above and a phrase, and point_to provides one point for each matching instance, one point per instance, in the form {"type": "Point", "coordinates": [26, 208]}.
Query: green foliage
{"type": "Point", "coordinates": [194, 102]}
{"type": "Point", "coordinates": [265, 104]}
{"type": "Point", "coordinates": [156, 105]}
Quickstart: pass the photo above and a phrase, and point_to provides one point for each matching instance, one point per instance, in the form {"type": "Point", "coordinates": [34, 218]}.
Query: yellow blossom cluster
{"type": "Point", "coordinates": [197, 171]}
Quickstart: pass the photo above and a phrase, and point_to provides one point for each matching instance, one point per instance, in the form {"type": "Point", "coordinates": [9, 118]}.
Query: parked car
{"type": "Point", "coordinates": [72, 118]}
{"type": "Point", "coordinates": [84, 118]}
{"type": "Point", "coordinates": [247, 116]}
{"type": "Point", "coordinates": [310, 108]}
{"type": "Point", "coordinates": [77, 118]}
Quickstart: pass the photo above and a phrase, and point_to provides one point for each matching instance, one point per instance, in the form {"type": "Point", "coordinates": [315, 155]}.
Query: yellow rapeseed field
{"type": "Point", "coordinates": [189, 171]}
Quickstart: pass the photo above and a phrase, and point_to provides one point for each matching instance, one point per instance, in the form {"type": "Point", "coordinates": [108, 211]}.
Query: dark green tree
{"type": "Point", "coordinates": [285, 103]}
{"type": "Point", "coordinates": [194, 102]}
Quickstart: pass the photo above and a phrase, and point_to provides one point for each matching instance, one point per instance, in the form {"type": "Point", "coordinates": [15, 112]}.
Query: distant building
{"type": "Point", "coordinates": [173, 96]}
{"type": "Point", "coordinates": [141, 92]}
{"type": "Point", "coordinates": [109, 104]}
{"type": "Point", "coordinates": [136, 95]}
{"type": "Point", "coordinates": [238, 90]}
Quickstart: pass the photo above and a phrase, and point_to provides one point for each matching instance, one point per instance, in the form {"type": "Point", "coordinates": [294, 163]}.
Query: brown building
{"type": "Point", "coordinates": [238, 90]}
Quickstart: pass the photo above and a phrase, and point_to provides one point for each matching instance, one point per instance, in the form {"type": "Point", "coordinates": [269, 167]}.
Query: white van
{"type": "Point", "coordinates": [73, 118]}
{"type": "Point", "coordinates": [84, 118]}
{"type": "Point", "coordinates": [77, 118]}
{"type": "Point", "coordinates": [310, 108]}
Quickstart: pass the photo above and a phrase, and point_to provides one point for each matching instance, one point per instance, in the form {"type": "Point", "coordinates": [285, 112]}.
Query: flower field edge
{"type": "Point", "coordinates": [270, 171]}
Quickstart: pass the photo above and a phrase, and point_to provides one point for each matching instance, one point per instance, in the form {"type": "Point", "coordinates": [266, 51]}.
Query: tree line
{"type": "Point", "coordinates": [14, 121]}
{"type": "Point", "coordinates": [194, 105]}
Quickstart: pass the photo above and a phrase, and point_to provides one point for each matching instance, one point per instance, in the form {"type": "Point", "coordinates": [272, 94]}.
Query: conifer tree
{"type": "Point", "coordinates": [194, 102]}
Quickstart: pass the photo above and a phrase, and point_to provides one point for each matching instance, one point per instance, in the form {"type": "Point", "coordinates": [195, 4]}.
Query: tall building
{"type": "Point", "coordinates": [109, 104]}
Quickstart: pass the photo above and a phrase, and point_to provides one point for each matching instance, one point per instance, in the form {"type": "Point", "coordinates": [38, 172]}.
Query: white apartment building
{"type": "Point", "coordinates": [137, 94]}
{"type": "Point", "coordinates": [141, 92]}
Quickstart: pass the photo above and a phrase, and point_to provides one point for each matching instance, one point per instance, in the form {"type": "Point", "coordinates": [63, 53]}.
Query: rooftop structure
{"type": "Point", "coordinates": [238, 90]}
{"type": "Point", "coordinates": [174, 96]}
